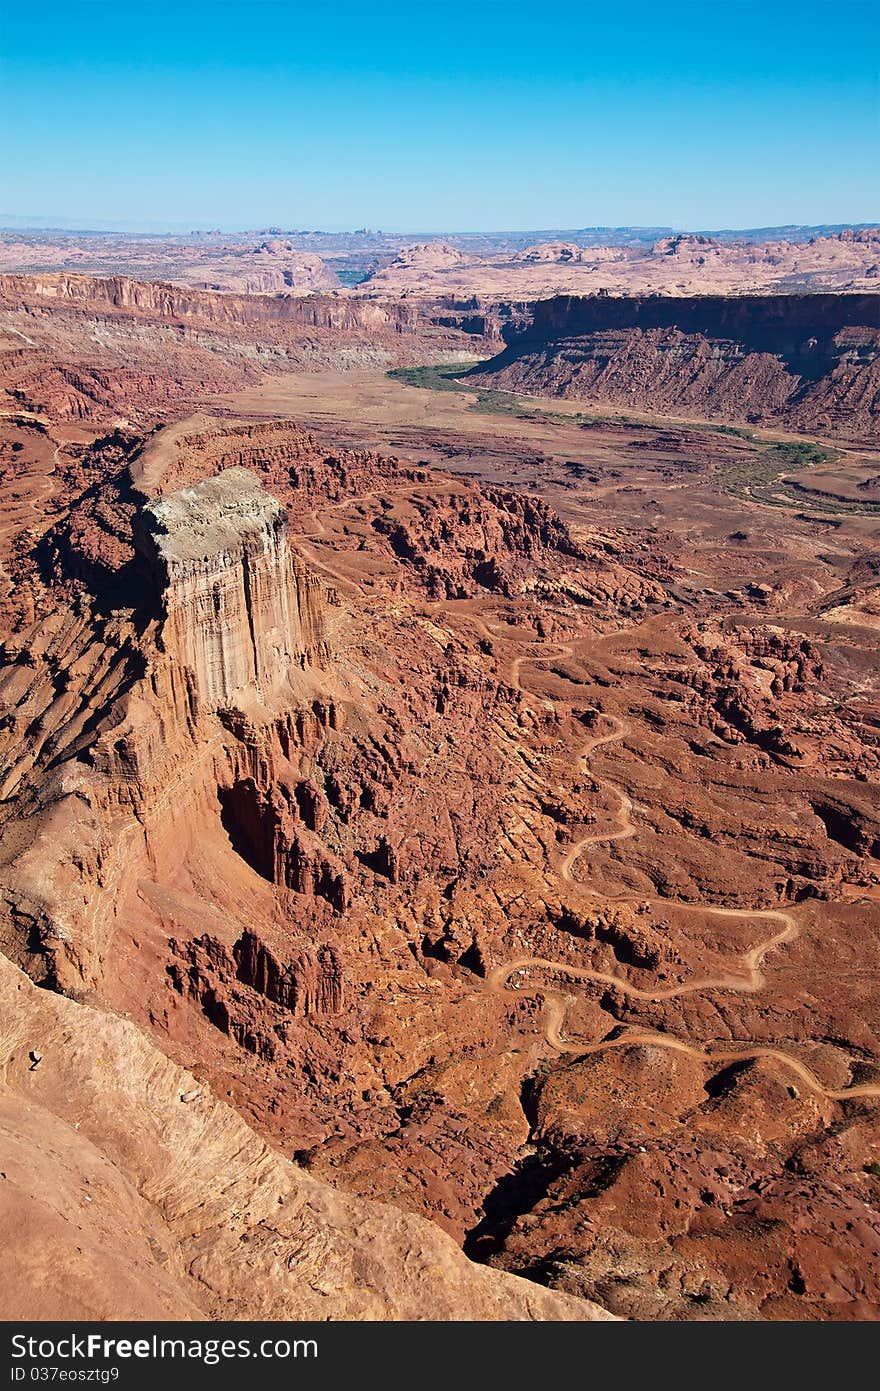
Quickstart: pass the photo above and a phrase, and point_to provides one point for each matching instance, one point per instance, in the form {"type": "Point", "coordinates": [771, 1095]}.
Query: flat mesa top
{"type": "Point", "coordinates": [211, 517]}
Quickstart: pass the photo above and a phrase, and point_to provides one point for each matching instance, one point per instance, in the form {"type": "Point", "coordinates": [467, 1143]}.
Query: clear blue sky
{"type": "Point", "coordinates": [440, 116]}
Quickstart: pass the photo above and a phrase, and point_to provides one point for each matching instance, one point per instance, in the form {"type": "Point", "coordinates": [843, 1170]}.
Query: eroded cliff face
{"type": "Point", "coordinates": [114, 350]}
{"type": "Point", "coordinates": [240, 607]}
{"type": "Point", "coordinates": [155, 300]}
{"type": "Point", "coordinates": [809, 361]}
{"type": "Point", "coordinates": [131, 1192]}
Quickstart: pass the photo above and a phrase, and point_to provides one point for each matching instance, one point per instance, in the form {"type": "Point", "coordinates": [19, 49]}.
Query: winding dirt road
{"type": "Point", "coordinates": [750, 979]}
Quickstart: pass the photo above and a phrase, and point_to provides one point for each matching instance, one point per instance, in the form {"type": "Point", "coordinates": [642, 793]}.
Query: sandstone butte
{"type": "Point", "coordinates": [438, 882]}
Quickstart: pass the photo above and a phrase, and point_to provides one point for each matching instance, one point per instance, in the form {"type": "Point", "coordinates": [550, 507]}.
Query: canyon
{"type": "Point", "coordinates": [439, 831]}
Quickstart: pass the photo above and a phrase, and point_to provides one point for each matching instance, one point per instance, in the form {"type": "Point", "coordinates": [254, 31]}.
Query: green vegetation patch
{"type": "Point", "coordinates": [438, 378]}
{"type": "Point", "coordinates": [755, 474]}
{"type": "Point", "coordinates": [741, 432]}
{"type": "Point", "coordinates": [759, 476]}
{"type": "Point", "coordinates": [796, 454]}
{"type": "Point", "coordinates": [489, 401]}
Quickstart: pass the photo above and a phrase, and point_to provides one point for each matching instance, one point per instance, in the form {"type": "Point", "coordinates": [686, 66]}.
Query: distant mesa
{"type": "Point", "coordinates": [497, 267]}
{"type": "Point", "coordinates": [684, 242]}
{"type": "Point", "coordinates": [555, 253]}
{"type": "Point", "coordinates": [678, 263]}
{"type": "Point", "coordinates": [432, 255]}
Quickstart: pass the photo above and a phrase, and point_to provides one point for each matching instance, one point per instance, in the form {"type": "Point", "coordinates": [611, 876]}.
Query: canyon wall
{"type": "Point", "coordinates": [810, 362]}
{"type": "Point", "coordinates": [115, 350]}
{"type": "Point", "coordinates": [767, 323]}
{"type": "Point", "coordinates": [153, 299]}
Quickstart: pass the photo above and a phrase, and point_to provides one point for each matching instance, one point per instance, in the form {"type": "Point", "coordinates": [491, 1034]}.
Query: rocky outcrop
{"type": "Point", "coordinates": [252, 989]}
{"type": "Point", "coordinates": [265, 827]}
{"type": "Point", "coordinates": [240, 607]}
{"type": "Point", "coordinates": [311, 983]}
{"type": "Point", "coordinates": [560, 253]}
{"type": "Point", "coordinates": [129, 1191]}
{"type": "Point", "coordinates": [459, 542]}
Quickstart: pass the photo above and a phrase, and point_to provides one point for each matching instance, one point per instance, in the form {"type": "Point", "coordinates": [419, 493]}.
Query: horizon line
{"type": "Point", "coordinates": [104, 227]}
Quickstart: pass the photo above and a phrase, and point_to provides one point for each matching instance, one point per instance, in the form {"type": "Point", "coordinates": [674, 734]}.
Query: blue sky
{"type": "Point", "coordinates": [440, 116]}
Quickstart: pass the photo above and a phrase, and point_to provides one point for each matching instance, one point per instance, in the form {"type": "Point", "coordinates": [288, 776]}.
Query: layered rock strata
{"type": "Point", "coordinates": [240, 607]}
{"type": "Point", "coordinates": [809, 361]}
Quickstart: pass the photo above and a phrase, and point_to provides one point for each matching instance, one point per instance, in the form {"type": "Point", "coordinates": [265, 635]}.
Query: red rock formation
{"type": "Point", "coordinates": [808, 361]}
{"type": "Point", "coordinates": [165, 348]}
{"type": "Point", "coordinates": [240, 606]}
